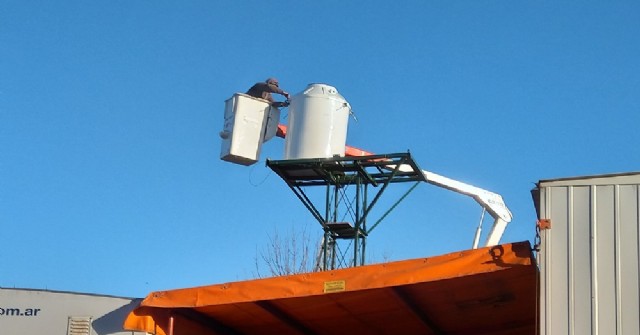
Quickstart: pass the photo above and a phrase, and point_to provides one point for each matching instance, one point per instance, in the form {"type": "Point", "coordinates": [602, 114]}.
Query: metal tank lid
{"type": "Point", "coordinates": [320, 89]}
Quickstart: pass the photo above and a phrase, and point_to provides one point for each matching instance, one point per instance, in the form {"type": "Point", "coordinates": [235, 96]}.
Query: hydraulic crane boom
{"type": "Point", "coordinates": [491, 202]}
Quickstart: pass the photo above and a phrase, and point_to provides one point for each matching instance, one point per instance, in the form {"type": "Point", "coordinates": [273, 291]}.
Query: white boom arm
{"type": "Point", "coordinates": [490, 201]}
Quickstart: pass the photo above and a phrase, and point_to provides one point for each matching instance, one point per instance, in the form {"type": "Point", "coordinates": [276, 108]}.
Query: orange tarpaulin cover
{"type": "Point", "coordinates": [484, 291]}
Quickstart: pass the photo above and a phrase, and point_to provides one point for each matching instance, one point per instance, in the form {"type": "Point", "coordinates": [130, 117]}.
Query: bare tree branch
{"type": "Point", "coordinates": [285, 255]}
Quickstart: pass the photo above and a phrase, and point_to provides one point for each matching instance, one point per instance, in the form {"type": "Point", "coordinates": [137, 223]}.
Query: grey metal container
{"type": "Point", "coordinates": [39, 312]}
{"type": "Point", "coordinates": [589, 254]}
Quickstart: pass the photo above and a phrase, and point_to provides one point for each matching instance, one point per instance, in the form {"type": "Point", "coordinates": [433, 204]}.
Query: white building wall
{"type": "Point", "coordinates": [42, 312]}
{"type": "Point", "coordinates": [589, 258]}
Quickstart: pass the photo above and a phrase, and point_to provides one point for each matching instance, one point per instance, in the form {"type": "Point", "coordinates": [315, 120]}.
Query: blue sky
{"type": "Point", "coordinates": [110, 177]}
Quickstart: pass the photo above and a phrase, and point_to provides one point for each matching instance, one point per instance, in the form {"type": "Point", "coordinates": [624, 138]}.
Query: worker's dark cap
{"type": "Point", "coordinates": [272, 81]}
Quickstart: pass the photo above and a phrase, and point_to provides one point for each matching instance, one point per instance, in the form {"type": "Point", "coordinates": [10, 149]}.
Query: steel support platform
{"type": "Point", "coordinates": [336, 174]}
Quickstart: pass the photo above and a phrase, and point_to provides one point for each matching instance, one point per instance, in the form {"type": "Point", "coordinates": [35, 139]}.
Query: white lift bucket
{"type": "Point", "coordinates": [248, 122]}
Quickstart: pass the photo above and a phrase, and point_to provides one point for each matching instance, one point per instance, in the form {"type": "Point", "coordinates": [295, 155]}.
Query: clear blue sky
{"type": "Point", "coordinates": [110, 177]}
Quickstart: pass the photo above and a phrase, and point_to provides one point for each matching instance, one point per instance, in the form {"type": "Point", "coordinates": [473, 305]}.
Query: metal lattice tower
{"type": "Point", "coordinates": [344, 178]}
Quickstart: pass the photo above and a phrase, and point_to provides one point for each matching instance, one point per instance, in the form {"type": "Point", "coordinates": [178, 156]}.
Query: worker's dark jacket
{"type": "Point", "coordinates": [264, 90]}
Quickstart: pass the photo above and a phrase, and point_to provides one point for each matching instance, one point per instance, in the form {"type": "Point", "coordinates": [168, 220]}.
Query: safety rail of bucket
{"type": "Point", "coordinates": [491, 202]}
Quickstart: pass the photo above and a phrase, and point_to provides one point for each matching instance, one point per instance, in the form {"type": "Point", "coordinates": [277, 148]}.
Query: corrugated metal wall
{"type": "Point", "coordinates": [590, 258]}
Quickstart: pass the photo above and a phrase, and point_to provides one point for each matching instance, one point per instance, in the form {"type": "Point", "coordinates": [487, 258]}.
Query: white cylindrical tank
{"type": "Point", "coordinates": [318, 120]}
